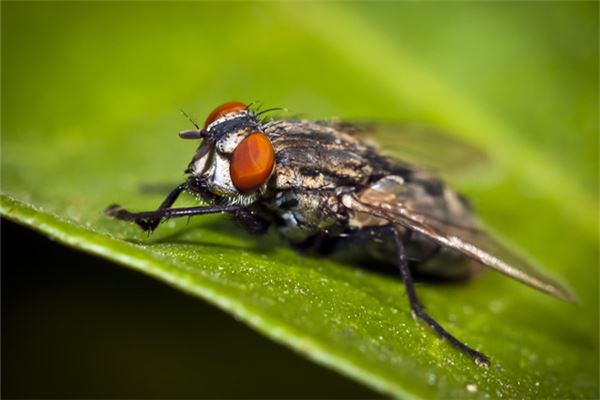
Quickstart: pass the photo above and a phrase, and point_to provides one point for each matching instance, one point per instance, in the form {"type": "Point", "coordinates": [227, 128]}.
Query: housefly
{"type": "Point", "coordinates": [319, 182]}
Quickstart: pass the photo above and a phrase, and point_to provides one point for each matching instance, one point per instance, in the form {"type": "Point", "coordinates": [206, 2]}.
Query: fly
{"type": "Point", "coordinates": [320, 183]}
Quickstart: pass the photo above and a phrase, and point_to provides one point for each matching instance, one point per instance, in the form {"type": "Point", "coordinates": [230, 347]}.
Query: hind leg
{"type": "Point", "coordinates": [417, 308]}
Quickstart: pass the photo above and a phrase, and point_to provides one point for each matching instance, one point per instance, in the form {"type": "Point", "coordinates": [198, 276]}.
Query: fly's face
{"type": "Point", "coordinates": [236, 158]}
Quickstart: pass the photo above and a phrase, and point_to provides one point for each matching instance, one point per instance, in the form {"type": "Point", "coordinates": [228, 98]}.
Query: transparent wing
{"type": "Point", "coordinates": [419, 146]}
{"type": "Point", "coordinates": [407, 205]}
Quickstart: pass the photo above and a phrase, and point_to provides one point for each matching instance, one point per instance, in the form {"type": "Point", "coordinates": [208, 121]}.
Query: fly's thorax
{"type": "Point", "coordinates": [316, 155]}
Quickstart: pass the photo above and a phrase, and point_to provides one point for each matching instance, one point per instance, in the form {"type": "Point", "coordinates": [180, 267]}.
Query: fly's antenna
{"type": "Point", "coordinates": [189, 118]}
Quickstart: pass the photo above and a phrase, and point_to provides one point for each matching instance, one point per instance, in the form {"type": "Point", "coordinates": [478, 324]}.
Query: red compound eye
{"type": "Point", "coordinates": [252, 162]}
{"type": "Point", "coordinates": [223, 109]}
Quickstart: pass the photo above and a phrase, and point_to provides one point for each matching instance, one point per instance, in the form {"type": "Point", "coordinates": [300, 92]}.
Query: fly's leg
{"type": "Point", "coordinates": [417, 308]}
{"type": "Point", "coordinates": [149, 220]}
{"type": "Point", "coordinates": [147, 224]}
{"type": "Point", "coordinates": [145, 218]}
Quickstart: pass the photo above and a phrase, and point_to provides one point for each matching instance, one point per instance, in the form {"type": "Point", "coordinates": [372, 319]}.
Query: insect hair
{"type": "Point", "coordinates": [189, 118]}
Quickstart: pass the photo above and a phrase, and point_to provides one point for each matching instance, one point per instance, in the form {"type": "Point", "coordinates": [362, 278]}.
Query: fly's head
{"type": "Point", "coordinates": [235, 159]}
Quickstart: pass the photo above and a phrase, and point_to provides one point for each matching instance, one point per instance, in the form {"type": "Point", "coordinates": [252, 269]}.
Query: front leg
{"type": "Point", "coordinates": [149, 220]}
{"type": "Point", "coordinates": [147, 224]}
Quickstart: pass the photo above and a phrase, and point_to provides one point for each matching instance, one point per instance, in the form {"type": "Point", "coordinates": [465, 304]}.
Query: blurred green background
{"type": "Point", "coordinates": [84, 80]}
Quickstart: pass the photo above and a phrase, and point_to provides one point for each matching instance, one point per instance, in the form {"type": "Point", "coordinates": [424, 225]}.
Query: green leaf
{"type": "Point", "coordinates": [90, 112]}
